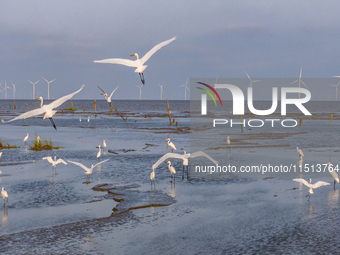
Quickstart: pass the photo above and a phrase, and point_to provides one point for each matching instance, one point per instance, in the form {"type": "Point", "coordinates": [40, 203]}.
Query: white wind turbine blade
{"type": "Point", "coordinates": [304, 83]}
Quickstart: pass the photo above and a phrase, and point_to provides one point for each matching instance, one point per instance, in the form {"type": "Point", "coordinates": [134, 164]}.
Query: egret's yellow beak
{"type": "Point", "coordinates": [37, 98]}
{"type": "Point", "coordinates": [133, 55]}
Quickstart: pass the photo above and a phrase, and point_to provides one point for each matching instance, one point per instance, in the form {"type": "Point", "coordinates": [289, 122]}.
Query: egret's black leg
{"type": "Point", "coordinates": [53, 123]}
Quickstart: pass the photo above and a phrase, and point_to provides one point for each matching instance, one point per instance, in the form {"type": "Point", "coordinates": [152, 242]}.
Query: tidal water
{"type": "Point", "coordinates": [120, 212]}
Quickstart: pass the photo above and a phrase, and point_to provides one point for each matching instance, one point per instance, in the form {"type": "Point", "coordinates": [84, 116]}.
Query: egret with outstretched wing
{"type": "Point", "coordinates": [139, 62]}
{"type": "Point", "coordinates": [87, 170]}
{"type": "Point", "coordinates": [311, 186]}
{"type": "Point", "coordinates": [108, 98]}
{"type": "Point", "coordinates": [184, 157]}
{"type": "Point", "coordinates": [54, 162]}
{"type": "Point", "coordinates": [47, 110]}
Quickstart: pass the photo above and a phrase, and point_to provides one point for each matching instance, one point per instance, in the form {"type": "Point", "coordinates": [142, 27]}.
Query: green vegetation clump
{"type": "Point", "coordinates": [6, 145]}
{"type": "Point", "coordinates": [42, 144]}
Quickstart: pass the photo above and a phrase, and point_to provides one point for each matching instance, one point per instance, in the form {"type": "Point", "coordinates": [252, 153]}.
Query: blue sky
{"type": "Point", "coordinates": [60, 39]}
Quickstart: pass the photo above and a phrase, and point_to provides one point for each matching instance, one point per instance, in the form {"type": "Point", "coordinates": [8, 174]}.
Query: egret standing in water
{"type": "Point", "coordinates": [333, 173]}
{"type": "Point", "coordinates": [311, 186]}
{"type": "Point", "coordinates": [139, 62]}
{"type": "Point", "coordinates": [104, 144]}
{"type": "Point", "coordinates": [47, 110]}
{"type": "Point", "coordinates": [88, 119]}
{"type": "Point", "coordinates": [54, 162]}
{"type": "Point", "coordinates": [108, 98]}
{"type": "Point", "coordinates": [87, 170]}
{"type": "Point", "coordinates": [99, 153]}
{"type": "Point", "coordinates": [26, 137]}
{"type": "Point", "coordinates": [4, 195]}
{"type": "Point", "coordinates": [172, 170]}
{"type": "Point", "coordinates": [152, 178]}
{"type": "Point", "coordinates": [171, 144]}
{"type": "Point", "coordinates": [300, 152]}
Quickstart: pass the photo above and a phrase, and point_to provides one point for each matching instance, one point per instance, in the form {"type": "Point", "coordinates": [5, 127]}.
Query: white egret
{"type": "Point", "coordinates": [0, 154]}
{"type": "Point", "coordinates": [108, 98]}
{"type": "Point", "coordinates": [4, 195]}
{"type": "Point", "coordinates": [183, 157]}
{"type": "Point", "coordinates": [172, 170]}
{"type": "Point", "coordinates": [333, 173]}
{"type": "Point", "coordinates": [139, 62]}
{"type": "Point", "coordinates": [300, 152]}
{"type": "Point", "coordinates": [228, 141]}
{"type": "Point", "coordinates": [104, 144]}
{"type": "Point", "coordinates": [87, 170]}
{"type": "Point", "coordinates": [47, 110]}
{"type": "Point", "coordinates": [54, 162]}
{"type": "Point", "coordinates": [79, 119]}
{"type": "Point", "coordinates": [88, 119]}
{"type": "Point", "coordinates": [173, 147]}
{"type": "Point", "coordinates": [26, 137]}
{"type": "Point", "coordinates": [311, 186]}
{"type": "Point", "coordinates": [152, 177]}
{"type": "Point", "coordinates": [99, 152]}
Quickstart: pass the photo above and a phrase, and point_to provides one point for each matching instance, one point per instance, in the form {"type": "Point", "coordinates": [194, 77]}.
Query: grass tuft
{"type": "Point", "coordinates": [41, 144]}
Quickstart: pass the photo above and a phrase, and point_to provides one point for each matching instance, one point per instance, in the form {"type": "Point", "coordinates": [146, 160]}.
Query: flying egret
{"type": "Point", "coordinates": [300, 152]}
{"type": "Point", "coordinates": [99, 152]}
{"type": "Point", "coordinates": [87, 170]}
{"type": "Point", "coordinates": [47, 110]}
{"type": "Point", "coordinates": [311, 186]}
{"type": "Point", "coordinates": [171, 169]}
{"type": "Point", "coordinates": [333, 173]}
{"type": "Point", "coordinates": [139, 62]}
{"type": "Point", "coordinates": [4, 195]}
{"type": "Point", "coordinates": [108, 98]}
{"type": "Point", "coordinates": [152, 178]}
{"type": "Point", "coordinates": [26, 137]}
{"type": "Point", "coordinates": [173, 147]}
{"type": "Point", "coordinates": [183, 157]}
{"type": "Point", "coordinates": [54, 162]}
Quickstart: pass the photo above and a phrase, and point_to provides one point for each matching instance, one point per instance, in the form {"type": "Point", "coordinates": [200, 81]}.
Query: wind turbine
{"type": "Point", "coordinates": [251, 81]}
{"type": "Point", "coordinates": [300, 81]}
{"type": "Point", "coordinates": [5, 89]}
{"type": "Point", "coordinates": [48, 87]}
{"type": "Point", "coordinates": [162, 92]}
{"type": "Point", "coordinates": [336, 90]}
{"type": "Point", "coordinates": [140, 91]}
{"type": "Point", "coordinates": [34, 87]}
{"type": "Point", "coordinates": [13, 90]}
{"type": "Point", "coordinates": [185, 89]}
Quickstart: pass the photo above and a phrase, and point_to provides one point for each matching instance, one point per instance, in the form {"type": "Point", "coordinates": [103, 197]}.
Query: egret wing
{"type": "Point", "coordinates": [26, 115]}
{"type": "Point", "coordinates": [119, 61]}
{"type": "Point", "coordinates": [61, 161]}
{"type": "Point", "coordinates": [302, 181]}
{"type": "Point", "coordinates": [100, 163]}
{"type": "Point", "coordinates": [63, 99]}
{"type": "Point", "coordinates": [49, 159]}
{"type": "Point", "coordinates": [114, 91]}
{"type": "Point", "coordinates": [78, 164]}
{"type": "Point", "coordinates": [154, 49]}
{"type": "Point", "coordinates": [202, 154]}
{"type": "Point", "coordinates": [319, 184]}
{"type": "Point", "coordinates": [165, 157]}
{"type": "Point", "coordinates": [101, 89]}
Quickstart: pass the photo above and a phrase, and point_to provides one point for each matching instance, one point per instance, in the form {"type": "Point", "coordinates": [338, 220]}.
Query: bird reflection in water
{"type": "Point", "coordinates": [172, 191]}
{"type": "Point", "coordinates": [333, 198]}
